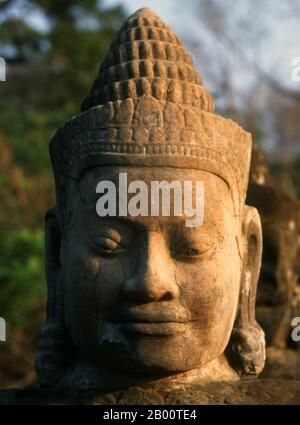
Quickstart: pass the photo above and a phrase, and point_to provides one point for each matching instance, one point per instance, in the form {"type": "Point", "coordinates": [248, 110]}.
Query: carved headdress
{"type": "Point", "coordinates": [148, 107]}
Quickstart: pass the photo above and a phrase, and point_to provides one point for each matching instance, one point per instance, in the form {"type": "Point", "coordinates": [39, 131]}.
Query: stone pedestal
{"type": "Point", "coordinates": [246, 392]}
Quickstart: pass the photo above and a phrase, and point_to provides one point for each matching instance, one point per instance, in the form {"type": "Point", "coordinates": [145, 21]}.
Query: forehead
{"type": "Point", "coordinates": [93, 176]}
{"type": "Point", "coordinates": [216, 193]}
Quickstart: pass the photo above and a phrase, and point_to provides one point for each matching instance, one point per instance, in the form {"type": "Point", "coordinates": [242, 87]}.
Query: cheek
{"type": "Point", "coordinates": [210, 291]}
{"type": "Point", "coordinates": [91, 287]}
{"type": "Point", "coordinates": [80, 296]}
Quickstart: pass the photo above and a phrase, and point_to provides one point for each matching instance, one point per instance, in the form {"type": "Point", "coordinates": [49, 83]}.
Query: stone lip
{"type": "Point", "coordinates": [247, 392]}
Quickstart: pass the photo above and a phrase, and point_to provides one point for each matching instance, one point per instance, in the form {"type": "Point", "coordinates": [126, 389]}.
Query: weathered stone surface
{"type": "Point", "coordinates": [140, 298]}
{"type": "Point", "coordinates": [248, 392]}
{"type": "Point", "coordinates": [278, 296]}
{"type": "Point", "coordinates": [282, 363]}
{"type": "Point", "coordinates": [259, 170]}
{"type": "Point", "coordinates": [147, 58]}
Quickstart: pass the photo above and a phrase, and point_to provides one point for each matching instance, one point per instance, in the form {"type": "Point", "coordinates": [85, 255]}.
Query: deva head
{"type": "Point", "coordinates": [146, 296]}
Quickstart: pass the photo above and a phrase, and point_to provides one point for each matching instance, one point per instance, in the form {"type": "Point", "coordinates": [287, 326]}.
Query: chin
{"type": "Point", "coordinates": [162, 354]}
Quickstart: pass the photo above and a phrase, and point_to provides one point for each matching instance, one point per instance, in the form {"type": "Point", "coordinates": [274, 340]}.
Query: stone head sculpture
{"type": "Point", "coordinates": [146, 298]}
{"type": "Point", "coordinates": [278, 293]}
{"type": "Point", "coordinates": [259, 171]}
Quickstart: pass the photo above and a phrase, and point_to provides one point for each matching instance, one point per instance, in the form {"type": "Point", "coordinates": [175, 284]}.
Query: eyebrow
{"type": "Point", "coordinates": [129, 221]}
{"type": "Point", "coordinates": [138, 224]}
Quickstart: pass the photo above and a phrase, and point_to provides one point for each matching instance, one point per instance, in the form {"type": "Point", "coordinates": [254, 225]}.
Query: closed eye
{"type": "Point", "coordinates": [193, 253]}
{"type": "Point", "coordinates": [104, 245]}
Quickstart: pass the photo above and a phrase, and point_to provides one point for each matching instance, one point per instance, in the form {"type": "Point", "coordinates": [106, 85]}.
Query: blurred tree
{"type": "Point", "coordinates": [231, 38]}
{"type": "Point", "coordinates": [52, 49]}
{"type": "Point", "coordinates": [50, 69]}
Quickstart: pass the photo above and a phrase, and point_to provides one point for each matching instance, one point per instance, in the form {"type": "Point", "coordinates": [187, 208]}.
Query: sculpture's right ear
{"type": "Point", "coordinates": [246, 350]}
{"type": "Point", "coordinates": [52, 355]}
{"type": "Point", "coordinates": [53, 267]}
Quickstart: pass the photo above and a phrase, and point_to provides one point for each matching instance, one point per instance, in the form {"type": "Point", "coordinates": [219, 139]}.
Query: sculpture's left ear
{"type": "Point", "coordinates": [246, 350]}
{"type": "Point", "coordinates": [52, 354]}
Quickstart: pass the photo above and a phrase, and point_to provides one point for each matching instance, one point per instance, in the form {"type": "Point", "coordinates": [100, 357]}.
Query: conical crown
{"type": "Point", "coordinates": [148, 58]}
{"type": "Point", "coordinates": [148, 107]}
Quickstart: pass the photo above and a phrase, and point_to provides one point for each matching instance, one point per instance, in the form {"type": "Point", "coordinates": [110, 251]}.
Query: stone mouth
{"type": "Point", "coordinates": [152, 313]}
{"type": "Point", "coordinates": [153, 328]}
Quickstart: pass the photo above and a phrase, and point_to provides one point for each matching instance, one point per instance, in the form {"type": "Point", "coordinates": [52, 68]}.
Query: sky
{"type": "Point", "coordinates": [276, 50]}
{"type": "Point", "coordinates": [273, 50]}
{"type": "Point", "coordinates": [268, 37]}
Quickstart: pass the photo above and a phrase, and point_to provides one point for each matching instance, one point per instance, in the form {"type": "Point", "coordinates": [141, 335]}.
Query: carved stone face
{"type": "Point", "coordinates": [277, 289]}
{"type": "Point", "coordinates": [149, 292]}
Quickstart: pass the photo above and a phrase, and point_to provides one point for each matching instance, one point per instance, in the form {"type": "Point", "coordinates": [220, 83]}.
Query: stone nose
{"type": "Point", "coordinates": [154, 278]}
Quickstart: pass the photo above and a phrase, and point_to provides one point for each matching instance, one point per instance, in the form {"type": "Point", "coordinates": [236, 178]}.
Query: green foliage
{"type": "Point", "coordinates": [21, 275]}
{"type": "Point", "coordinates": [49, 73]}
